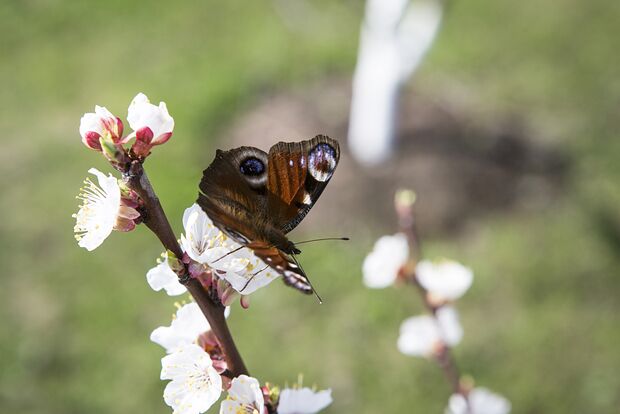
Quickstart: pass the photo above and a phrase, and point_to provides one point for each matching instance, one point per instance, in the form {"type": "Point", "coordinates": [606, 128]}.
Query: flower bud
{"type": "Point", "coordinates": [100, 124]}
{"type": "Point", "coordinates": [152, 124]}
{"type": "Point", "coordinates": [175, 264]}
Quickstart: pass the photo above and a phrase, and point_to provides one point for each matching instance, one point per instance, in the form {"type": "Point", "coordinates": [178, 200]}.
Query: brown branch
{"type": "Point", "coordinates": [404, 202]}
{"type": "Point", "coordinates": [155, 219]}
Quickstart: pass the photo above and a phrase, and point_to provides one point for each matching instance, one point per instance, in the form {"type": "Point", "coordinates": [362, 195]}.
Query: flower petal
{"type": "Point", "coordinates": [162, 277]}
{"type": "Point", "coordinates": [303, 401]}
{"type": "Point", "coordinates": [446, 279]}
{"type": "Point", "coordinates": [381, 266]}
{"type": "Point", "coordinates": [479, 401]}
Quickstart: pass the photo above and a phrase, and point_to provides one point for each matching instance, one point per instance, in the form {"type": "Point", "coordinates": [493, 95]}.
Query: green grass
{"type": "Point", "coordinates": [541, 321]}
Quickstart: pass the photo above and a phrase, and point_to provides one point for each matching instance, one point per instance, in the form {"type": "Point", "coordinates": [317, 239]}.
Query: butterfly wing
{"type": "Point", "coordinates": [297, 173]}
{"type": "Point", "coordinates": [292, 274]}
{"type": "Point", "coordinates": [232, 191]}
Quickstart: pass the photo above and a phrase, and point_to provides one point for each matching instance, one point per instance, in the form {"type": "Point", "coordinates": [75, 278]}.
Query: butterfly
{"type": "Point", "coordinates": [256, 198]}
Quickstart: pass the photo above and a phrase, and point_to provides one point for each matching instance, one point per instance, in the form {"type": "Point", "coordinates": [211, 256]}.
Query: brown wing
{"type": "Point", "coordinates": [297, 174]}
{"type": "Point", "coordinates": [292, 275]}
{"type": "Point", "coordinates": [231, 199]}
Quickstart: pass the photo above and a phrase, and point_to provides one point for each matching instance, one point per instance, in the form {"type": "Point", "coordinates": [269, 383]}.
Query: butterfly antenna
{"type": "Point", "coordinates": [229, 253]}
{"type": "Point", "coordinates": [308, 279]}
{"type": "Point", "coordinates": [252, 278]}
{"type": "Point", "coordinates": [323, 239]}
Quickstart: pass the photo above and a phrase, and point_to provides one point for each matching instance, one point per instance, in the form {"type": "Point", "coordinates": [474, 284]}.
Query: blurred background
{"type": "Point", "coordinates": [508, 132]}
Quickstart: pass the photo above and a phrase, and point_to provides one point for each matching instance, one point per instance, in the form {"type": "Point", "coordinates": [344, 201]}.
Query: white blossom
{"type": "Point", "coordinates": [382, 265]}
{"type": "Point", "coordinates": [202, 240]}
{"type": "Point", "coordinates": [207, 244]}
{"type": "Point", "coordinates": [152, 124]}
{"type": "Point", "coordinates": [445, 279]}
{"type": "Point", "coordinates": [162, 277]}
{"type": "Point", "coordinates": [101, 211]}
{"type": "Point", "coordinates": [255, 275]}
{"type": "Point", "coordinates": [481, 401]}
{"type": "Point", "coordinates": [303, 401]}
{"type": "Point", "coordinates": [101, 123]}
{"type": "Point", "coordinates": [188, 324]}
{"type": "Point", "coordinates": [421, 335]}
{"type": "Point", "coordinates": [195, 384]}
{"type": "Point", "coordinates": [244, 396]}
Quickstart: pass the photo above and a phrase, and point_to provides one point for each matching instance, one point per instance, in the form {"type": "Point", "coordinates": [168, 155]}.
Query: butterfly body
{"type": "Point", "coordinates": [257, 198]}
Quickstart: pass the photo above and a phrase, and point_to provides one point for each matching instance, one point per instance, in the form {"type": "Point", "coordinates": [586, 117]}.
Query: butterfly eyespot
{"type": "Point", "coordinates": [238, 237]}
{"type": "Point", "coordinates": [322, 162]}
{"type": "Point", "coordinates": [252, 167]}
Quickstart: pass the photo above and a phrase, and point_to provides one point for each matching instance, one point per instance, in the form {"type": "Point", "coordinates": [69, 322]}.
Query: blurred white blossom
{"type": "Point", "coordinates": [382, 265]}
{"type": "Point", "coordinates": [445, 279]}
{"type": "Point", "coordinates": [393, 40]}
{"type": "Point", "coordinates": [481, 401]}
{"type": "Point", "coordinates": [101, 211]}
{"type": "Point", "coordinates": [303, 401]}
{"type": "Point", "coordinates": [162, 277]}
{"type": "Point", "coordinates": [244, 396]}
{"type": "Point", "coordinates": [422, 335]}
{"type": "Point", "coordinates": [195, 385]}
{"type": "Point", "coordinates": [188, 323]}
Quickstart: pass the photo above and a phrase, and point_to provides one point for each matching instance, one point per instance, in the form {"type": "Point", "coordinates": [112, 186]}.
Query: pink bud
{"type": "Point", "coordinates": [228, 296]}
{"type": "Point", "coordinates": [245, 302]}
{"type": "Point", "coordinates": [145, 135]}
{"type": "Point", "coordinates": [91, 140]}
{"type": "Point", "coordinates": [124, 224]}
{"type": "Point", "coordinates": [119, 129]}
{"type": "Point", "coordinates": [162, 139]}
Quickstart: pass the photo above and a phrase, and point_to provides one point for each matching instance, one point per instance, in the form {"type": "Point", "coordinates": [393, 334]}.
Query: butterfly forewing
{"type": "Point", "coordinates": [297, 174]}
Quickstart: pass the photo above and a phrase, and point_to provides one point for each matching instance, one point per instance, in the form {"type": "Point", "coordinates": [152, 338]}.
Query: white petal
{"type": "Point", "coordinates": [381, 266]}
{"type": "Point", "coordinates": [97, 216]}
{"type": "Point", "coordinates": [103, 113]}
{"type": "Point", "coordinates": [90, 122]}
{"type": "Point", "coordinates": [445, 279]}
{"type": "Point", "coordinates": [481, 401]}
{"type": "Point", "coordinates": [195, 385]}
{"type": "Point", "coordinates": [185, 328]}
{"type": "Point", "coordinates": [141, 113]}
{"type": "Point", "coordinates": [449, 325]}
{"type": "Point", "coordinates": [162, 277]}
{"type": "Point", "coordinates": [303, 401]}
{"type": "Point", "coordinates": [418, 336]}
{"type": "Point", "coordinates": [246, 390]}
{"type": "Point", "coordinates": [249, 282]}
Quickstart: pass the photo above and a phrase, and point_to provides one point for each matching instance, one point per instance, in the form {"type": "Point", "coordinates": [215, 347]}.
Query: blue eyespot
{"type": "Point", "coordinates": [322, 161]}
{"type": "Point", "coordinates": [252, 166]}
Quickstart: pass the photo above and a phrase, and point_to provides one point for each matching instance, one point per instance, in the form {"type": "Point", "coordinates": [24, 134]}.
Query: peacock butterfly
{"type": "Point", "coordinates": [257, 198]}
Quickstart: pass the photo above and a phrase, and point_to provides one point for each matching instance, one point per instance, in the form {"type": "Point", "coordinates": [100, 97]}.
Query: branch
{"type": "Point", "coordinates": [155, 219]}
{"type": "Point", "coordinates": [406, 221]}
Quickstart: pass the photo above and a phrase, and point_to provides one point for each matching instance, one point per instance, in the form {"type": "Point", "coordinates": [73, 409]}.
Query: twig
{"type": "Point", "coordinates": [406, 221]}
{"type": "Point", "coordinates": [155, 219]}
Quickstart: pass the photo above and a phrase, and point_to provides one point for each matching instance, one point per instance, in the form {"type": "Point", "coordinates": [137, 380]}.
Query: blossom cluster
{"type": "Point", "coordinates": [152, 125]}
{"type": "Point", "coordinates": [217, 261]}
{"type": "Point", "coordinates": [109, 204]}
{"type": "Point", "coordinates": [194, 364]}
{"type": "Point", "coordinates": [442, 282]}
